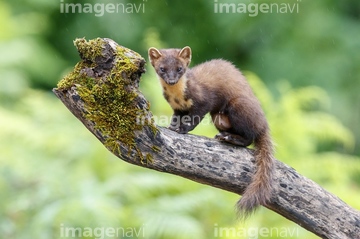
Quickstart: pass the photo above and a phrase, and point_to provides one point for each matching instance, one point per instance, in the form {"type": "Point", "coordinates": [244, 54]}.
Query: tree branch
{"type": "Point", "coordinates": [200, 159]}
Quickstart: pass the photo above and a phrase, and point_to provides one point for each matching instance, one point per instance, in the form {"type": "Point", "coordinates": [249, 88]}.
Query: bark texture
{"type": "Point", "coordinates": [217, 164]}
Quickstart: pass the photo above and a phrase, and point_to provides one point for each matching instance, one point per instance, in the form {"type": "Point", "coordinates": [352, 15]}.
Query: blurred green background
{"type": "Point", "coordinates": [303, 66]}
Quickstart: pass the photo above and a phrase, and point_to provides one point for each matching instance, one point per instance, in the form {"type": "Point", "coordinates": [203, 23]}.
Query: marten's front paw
{"type": "Point", "coordinates": [173, 128]}
{"type": "Point", "coordinates": [183, 129]}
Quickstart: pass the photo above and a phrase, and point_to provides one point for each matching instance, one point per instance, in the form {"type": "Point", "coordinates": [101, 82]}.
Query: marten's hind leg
{"type": "Point", "coordinates": [233, 139]}
{"type": "Point", "coordinates": [245, 122]}
{"type": "Point", "coordinates": [223, 124]}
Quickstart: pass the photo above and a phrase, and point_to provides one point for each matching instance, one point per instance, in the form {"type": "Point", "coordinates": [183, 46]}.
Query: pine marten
{"type": "Point", "coordinates": [219, 88]}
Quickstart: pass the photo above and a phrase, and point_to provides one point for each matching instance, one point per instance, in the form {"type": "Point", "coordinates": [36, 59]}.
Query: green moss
{"type": "Point", "coordinates": [89, 49]}
{"type": "Point", "coordinates": [149, 159]}
{"type": "Point", "coordinates": [72, 78]}
{"type": "Point", "coordinates": [155, 148]}
{"type": "Point", "coordinates": [107, 101]}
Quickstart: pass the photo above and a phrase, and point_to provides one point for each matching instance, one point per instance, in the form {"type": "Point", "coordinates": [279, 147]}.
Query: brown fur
{"type": "Point", "coordinates": [218, 87]}
{"type": "Point", "coordinates": [221, 121]}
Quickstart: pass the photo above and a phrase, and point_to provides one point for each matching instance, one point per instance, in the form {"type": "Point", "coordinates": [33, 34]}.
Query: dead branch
{"type": "Point", "coordinates": [197, 158]}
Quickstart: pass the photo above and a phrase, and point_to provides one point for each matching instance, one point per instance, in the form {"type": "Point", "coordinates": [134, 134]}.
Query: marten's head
{"type": "Point", "coordinates": [170, 64]}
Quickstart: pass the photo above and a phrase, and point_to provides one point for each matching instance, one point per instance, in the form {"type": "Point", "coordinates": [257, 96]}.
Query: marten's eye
{"type": "Point", "coordinates": [162, 69]}
{"type": "Point", "coordinates": [179, 69]}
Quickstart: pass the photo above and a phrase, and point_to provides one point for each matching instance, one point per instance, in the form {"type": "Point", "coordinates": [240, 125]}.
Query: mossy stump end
{"type": "Point", "coordinates": [104, 86]}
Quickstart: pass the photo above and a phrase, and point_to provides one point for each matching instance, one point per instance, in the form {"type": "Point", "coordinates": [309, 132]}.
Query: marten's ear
{"type": "Point", "coordinates": [154, 54]}
{"type": "Point", "coordinates": [185, 53]}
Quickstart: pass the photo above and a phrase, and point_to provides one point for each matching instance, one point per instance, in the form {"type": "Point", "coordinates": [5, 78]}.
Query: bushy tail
{"type": "Point", "coordinates": [259, 190]}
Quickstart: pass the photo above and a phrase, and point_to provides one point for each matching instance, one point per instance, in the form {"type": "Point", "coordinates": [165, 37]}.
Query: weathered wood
{"type": "Point", "coordinates": [225, 166]}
